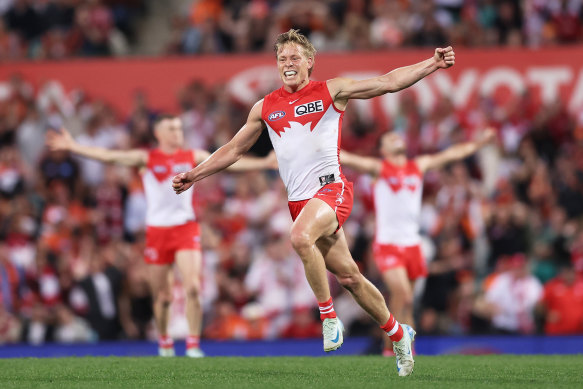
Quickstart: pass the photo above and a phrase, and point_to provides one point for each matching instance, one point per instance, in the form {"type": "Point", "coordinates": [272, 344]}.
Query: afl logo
{"type": "Point", "coordinates": [276, 115]}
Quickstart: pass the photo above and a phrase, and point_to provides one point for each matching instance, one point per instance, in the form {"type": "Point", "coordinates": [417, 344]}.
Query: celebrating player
{"type": "Point", "coordinates": [303, 119]}
{"type": "Point", "coordinates": [172, 234]}
{"type": "Point", "coordinates": [397, 200]}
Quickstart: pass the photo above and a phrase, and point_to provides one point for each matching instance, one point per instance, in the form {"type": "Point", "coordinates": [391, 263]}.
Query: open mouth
{"type": "Point", "coordinates": [290, 74]}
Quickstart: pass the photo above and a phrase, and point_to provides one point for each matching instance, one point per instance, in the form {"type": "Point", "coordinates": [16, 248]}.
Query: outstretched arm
{"type": "Point", "coordinates": [61, 140]}
{"type": "Point", "coordinates": [245, 163]}
{"type": "Point", "coordinates": [362, 164]}
{"type": "Point", "coordinates": [343, 89]}
{"type": "Point", "coordinates": [455, 153]}
{"type": "Point", "coordinates": [226, 155]}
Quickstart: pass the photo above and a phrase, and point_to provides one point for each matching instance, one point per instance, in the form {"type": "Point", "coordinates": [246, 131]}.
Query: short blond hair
{"type": "Point", "coordinates": [296, 37]}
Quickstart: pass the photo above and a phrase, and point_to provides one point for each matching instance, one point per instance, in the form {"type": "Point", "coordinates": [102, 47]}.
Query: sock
{"type": "Point", "coordinates": [165, 341]}
{"type": "Point", "coordinates": [393, 329]}
{"type": "Point", "coordinates": [327, 310]}
{"type": "Point", "coordinates": [192, 341]}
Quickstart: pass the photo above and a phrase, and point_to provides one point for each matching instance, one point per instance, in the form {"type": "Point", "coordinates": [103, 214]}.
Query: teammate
{"type": "Point", "coordinates": [303, 119]}
{"type": "Point", "coordinates": [397, 199]}
{"type": "Point", "coordinates": [172, 234]}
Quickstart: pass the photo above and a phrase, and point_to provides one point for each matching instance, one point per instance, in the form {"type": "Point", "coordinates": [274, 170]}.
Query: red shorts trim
{"type": "Point", "coordinates": [388, 256]}
{"type": "Point", "coordinates": [338, 195]}
{"type": "Point", "coordinates": [162, 243]}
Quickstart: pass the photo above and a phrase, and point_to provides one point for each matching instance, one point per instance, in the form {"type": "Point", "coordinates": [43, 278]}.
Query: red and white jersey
{"type": "Point", "coordinates": [164, 208]}
{"type": "Point", "coordinates": [397, 199]}
{"type": "Point", "coordinates": [304, 128]}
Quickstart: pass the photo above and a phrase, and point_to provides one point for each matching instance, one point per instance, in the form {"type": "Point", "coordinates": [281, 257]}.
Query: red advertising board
{"type": "Point", "coordinates": [550, 74]}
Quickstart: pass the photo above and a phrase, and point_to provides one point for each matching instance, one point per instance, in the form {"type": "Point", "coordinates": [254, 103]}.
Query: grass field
{"type": "Point", "coordinates": [496, 371]}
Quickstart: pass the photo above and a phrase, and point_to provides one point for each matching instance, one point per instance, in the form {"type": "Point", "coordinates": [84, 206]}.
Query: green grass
{"type": "Point", "coordinates": [493, 371]}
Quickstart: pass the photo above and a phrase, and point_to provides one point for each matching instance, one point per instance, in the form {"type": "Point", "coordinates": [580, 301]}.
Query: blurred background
{"type": "Point", "coordinates": [106, 68]}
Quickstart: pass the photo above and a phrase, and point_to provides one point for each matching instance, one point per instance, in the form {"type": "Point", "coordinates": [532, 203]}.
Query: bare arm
{"type": "Point", "coordinates": [244, 164]}
{"type": "Point", "coordinates": [226, 155]}
{"type": "Point", "coordinates": [455, 153]}
{"type": "Point", "coordinates": [362, 164]}
{"type": "Point", "coordinates": [63, 141]}
{"type": "Point", "coordinates": [343, 89]}
{"type": "Point", "coordinates": [269, 162]}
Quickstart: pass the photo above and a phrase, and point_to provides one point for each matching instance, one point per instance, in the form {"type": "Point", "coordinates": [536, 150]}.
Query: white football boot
{"type": "Point", "coordinates": [332, 330]}
{"type": "Point", "coordinates": [194, 352]}
{"type": "Point", "coordinates": [403, 351]}
{"type": "Point", "coordinates": [166, 347]}
{"type": "Point", "coordinates": [166, 351]}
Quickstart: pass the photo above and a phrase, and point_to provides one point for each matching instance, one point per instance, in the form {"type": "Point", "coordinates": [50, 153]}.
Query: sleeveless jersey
{"type": "Point", "coordinates": [304, 128]}
{"type": "Point", "coordinates": [164, 208]}
{"type": "Point", "coordinates": [397, 199]}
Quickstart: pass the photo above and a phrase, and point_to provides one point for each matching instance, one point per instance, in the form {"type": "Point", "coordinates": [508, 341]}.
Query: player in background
{"type": "Point", "coordinates": [397, 195]}
{"type": "Point", "coordinates": [172, 231]}
{"type": "Point", "coordinates": [303, 120]}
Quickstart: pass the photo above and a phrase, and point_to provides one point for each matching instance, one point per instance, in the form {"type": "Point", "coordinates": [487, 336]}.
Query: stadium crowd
{"type": "Point", "coordinates": [337, 25]}
{"type": "Point", "coordinates": [57, 29]}
{"type": "Point", "coordinates": [503, 231]}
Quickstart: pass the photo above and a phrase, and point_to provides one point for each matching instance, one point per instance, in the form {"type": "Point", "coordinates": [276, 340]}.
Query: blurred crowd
{"type": "Point", "coordinates": [503, 231]}
{"type": "Point", "coordinates": [336, 25]}
{"type": "Point", "coordinates": [56, 29]}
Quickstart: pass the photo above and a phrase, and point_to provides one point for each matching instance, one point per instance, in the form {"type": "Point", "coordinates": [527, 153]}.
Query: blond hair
{"type": "Point", "coordinates": [296, 37]}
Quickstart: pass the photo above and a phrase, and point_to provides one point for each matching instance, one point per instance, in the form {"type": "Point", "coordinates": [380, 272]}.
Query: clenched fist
{"type": "Point", "coordinates": [181, 182]}
{"type": "Point", "coordinates": [444, 58]}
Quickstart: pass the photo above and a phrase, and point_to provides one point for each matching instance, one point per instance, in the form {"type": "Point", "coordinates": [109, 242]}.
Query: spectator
{"type": "Point", "coordinates": [59, 167]}
{"type": "Point", "coordinates": [10, 327]}
{"type": "Point", "coordinates": [226, 323]}
{"type": "Point", "coordinates": [98, 296]}
{"type": "Point", "coordinates": [11, 172]}
{"type": "Point", "coordinates": [566, 23]}
{"type": "Point", "coordinates": [24, 20]}
{"type": "Point", "coordinates": [12, 282]}
{"type": "Point", "coordinates": [38, 329]}
{"type": "Point", "coordinates": [71, 329]}
{"type": "Point", "coordinates": [507, 232]}
{"type": "Point", "coordinates": [562, 303]}
{"type": "Point", "coordinates": [512, 297]}
{"type": "Point", "coordinates": [304, 324]}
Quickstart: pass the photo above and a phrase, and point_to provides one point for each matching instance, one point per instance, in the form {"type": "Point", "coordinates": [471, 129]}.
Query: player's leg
{"type": "Point", "coordinates": [189, 264]}
{"type": "Point", "coordinates": [400, 298]}
{"type": "Point", "coordinates": [162, 298]}
{"type": "Point", "coordinates": [160, 257]}
{"type": "Point", "coordinates": [339, 261]}
{"type": "Point", "coordinates": [315, 220]}
{"type": "Point", "coordinates": [401, 294]}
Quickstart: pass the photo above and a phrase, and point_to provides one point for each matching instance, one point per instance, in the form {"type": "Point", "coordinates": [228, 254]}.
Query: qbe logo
{"type": "Point", "coordinates": [311, 107]}
{"type": "Point", "coordinates": [276, 115]}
